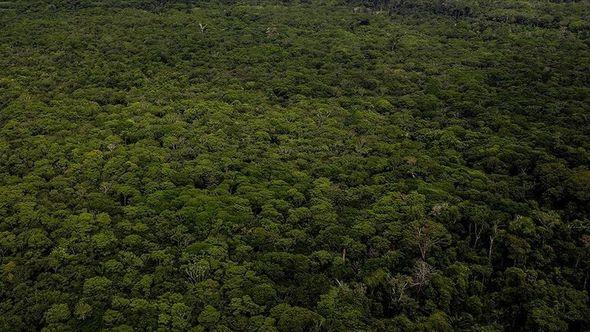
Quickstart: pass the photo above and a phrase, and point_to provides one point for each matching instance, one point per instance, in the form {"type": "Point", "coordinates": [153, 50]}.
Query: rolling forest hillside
{"type": "Point", "coordinates": [402, 165]}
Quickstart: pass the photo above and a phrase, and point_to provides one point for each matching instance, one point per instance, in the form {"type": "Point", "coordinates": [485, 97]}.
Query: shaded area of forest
{"type": "Point", "coordinates": [294, 166]}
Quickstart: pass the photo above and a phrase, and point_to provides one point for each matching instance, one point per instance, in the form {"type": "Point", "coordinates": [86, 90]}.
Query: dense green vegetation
{"type": "Point", "coordinates": [296, 166]}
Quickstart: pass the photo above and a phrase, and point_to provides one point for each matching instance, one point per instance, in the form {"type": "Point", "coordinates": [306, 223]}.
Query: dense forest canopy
{"type": "Point", "coordinates": [401, 165]}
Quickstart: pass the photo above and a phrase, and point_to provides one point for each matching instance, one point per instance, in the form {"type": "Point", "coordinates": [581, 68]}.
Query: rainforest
{"type": "Point", "coordinates": [291, 166]}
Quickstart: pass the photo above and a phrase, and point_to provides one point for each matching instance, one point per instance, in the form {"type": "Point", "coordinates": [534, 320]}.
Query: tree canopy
{"type": "Point", "coordinates": [319, 165]}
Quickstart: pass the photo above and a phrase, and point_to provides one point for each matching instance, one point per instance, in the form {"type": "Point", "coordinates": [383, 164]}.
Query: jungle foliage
{"type": "Point", "coordinates": [402, 165]}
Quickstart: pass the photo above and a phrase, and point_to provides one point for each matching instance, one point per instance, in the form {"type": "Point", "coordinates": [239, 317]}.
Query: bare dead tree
{"type": "Point", "coordinates": [493, 235]}
{"type": "Point", "coordinates": [426, 238]}
{"type": "Point", "coordinates": [422, 274]}
{"type": "Point", "coordinates": [477, 230]}
{"type": "Point", "coordinates": [399, 284]}
{"type": "Point", "coordinates": [197, 271]}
